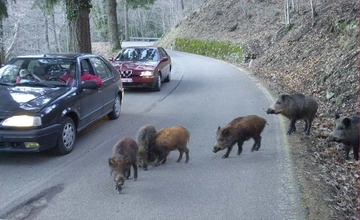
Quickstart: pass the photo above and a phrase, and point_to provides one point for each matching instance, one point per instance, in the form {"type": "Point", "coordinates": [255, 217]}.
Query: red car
{"type": "Point", "coordinates": [143, 66]}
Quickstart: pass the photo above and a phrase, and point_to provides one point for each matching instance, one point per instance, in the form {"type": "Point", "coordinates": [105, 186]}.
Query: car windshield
{"type": "Point", "coordinates": [138, 54]}
{"type": "Point", "coordinates": [38, 71]}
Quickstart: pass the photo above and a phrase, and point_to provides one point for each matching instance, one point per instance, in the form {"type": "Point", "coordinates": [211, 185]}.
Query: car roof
{"type": "Point", "coordinates": [58, 55]}
{"type": "Point", "coordinates": [150, 47]}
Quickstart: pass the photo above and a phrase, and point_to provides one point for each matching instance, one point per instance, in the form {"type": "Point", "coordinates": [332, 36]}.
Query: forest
{"type": "Point", "coordinates": [43, 26]}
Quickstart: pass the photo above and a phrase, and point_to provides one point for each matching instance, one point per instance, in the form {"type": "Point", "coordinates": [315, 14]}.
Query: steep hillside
{"type": "Point", "coordinates": [312, 56]}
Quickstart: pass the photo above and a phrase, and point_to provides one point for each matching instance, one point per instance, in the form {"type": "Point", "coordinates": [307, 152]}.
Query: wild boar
{"type": "Point", "coordinates": [144, 137]}
{"type": "Point", "coordinates": [295, 107]}
{"type": "Point", "coordinates": [123, 156]}
{"type": "Point", "coordinates": [346, 131]}
{"type": "Point", "coordinates": [238, 131]}
{"type": "Point", "coordinates": [166, 140]}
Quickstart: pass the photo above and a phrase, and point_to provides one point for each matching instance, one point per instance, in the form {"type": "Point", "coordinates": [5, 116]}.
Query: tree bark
{"type": "Point", "coordinates": [79, 25]}
{"type": "Point", "coordinates": [113, 26]}
{"type": "Point", "coordinates": [126, 22]}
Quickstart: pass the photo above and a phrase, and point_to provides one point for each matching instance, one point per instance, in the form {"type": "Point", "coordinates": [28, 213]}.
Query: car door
{"type": "Point", "coordinates": [164, 65]}
{"type": "Point", "coordinates": [109, 87]}
{"type": "Point", "coordinates": [91, 99]}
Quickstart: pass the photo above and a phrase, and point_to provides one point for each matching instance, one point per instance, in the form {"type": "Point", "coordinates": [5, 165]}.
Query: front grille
{"type": "Point", "coordinates": [127, 72]}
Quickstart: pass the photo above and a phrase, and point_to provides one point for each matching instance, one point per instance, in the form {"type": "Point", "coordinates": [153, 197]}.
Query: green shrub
{"type": "Point", "coordinates": [216, 49]}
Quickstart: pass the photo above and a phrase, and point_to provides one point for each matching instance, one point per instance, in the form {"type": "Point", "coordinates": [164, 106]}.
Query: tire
{"type": "Point", "coordinates": [66, 138]}
{"type": "Point", "coordinates": [115, 113]}
{"type": "Point", "coordinates": [157, 86]}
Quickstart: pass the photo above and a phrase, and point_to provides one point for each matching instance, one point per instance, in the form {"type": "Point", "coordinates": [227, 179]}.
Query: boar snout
{"type": "Point", "coordinates": [216, 149]}
{"type": "Point", "coordinates": [270, 111]}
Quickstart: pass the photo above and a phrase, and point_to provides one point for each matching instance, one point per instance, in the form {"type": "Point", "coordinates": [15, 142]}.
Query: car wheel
{"type": "Point", "coordinates": [116, 109]}
{"type": "Point", "coordinates": [157, 86]}
{"type": "Point", "coordinates": [66, 138]}
{"type": "Point", "coordinates": [167, 79]}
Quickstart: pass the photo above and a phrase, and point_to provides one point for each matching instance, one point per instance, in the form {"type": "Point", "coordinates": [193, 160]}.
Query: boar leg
{"type": "Point", "coordinates": [226, 155]}
{"type": "Point", "coordinates": [308, 127]}
{"type": "Point", "coordinates": [292, 127]}
{"type": "Point", "coordinates": [257, 143]}
{"type": "Point", "coordinates": [128, 173]}
{"type": "Point", "coordinates": [180, 155]}
{"type": "Point", "coordinates": [347, 152]}
{"type": "Point", "coordinates": [161, 158]}
{"type": "Point", "coordinates": [240, 144]}
{"type": "Point", "coordinates": [356, 152]}
{"type": "Point", "coordinates": [186, 154]}
{"type": "Point", "coordinates": [135, 171]}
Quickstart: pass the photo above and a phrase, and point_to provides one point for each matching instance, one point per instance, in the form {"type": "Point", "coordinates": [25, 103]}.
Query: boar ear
{"type": "Point", "coordinates": [226, 132]}
{"type": "Point", "coordinates": [337, 116]}
{"type": "Point", "coordinates": [347, 122]}
{"type": "Point", "coordinates": [111, 161]}
{"type": "Point", "coordinates": [218, 129]}
{"type": "Point", "coordinates": [283, 97]}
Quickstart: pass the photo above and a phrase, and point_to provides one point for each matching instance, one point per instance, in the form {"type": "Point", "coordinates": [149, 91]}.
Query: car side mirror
{"type": "Point", "coordinates": [164, 59]}
{"type": "Point", "coordinates": [89, 84]}
{"type": "Point", "coordinates": [111, 59]}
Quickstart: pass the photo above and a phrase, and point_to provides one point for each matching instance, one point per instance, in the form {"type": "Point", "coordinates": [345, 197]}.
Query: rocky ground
{"type": "Point", "coordinates": [317, 56]}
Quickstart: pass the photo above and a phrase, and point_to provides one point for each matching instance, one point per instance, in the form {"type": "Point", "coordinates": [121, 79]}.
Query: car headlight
{"type": "Point", "coordinates": [22, 121]}
{"type": "Point", "coordinates": [146, 73]}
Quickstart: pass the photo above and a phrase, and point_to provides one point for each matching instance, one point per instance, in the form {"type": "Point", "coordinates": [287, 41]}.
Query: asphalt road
{"type": "Point", "coordinates": [203, 94]}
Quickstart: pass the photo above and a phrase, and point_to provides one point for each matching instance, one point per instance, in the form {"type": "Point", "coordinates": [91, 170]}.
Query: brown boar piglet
{"type": "Point", "coordinates": [169, 139]}
{"type": "Point", "coordinates": [144, 136]}
{"type": "Point", "coordinates": [123, 156]}
{"type": "Point", "coordinates": [238, 131]}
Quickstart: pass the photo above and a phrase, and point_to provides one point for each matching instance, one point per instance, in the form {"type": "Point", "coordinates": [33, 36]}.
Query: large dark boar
{"type": "Point", "coordinates": [123, 156]}
{"type": "Point", "coordinates": [295, 107]}
{"type": "Point", "coordinates": [144, 137]}
{"type": "Point", "coordinates": [166, 140]}
{"type": "Point", "coordinates": [346, 131]}
{"type": "Point", "coordinates": [237, 131]}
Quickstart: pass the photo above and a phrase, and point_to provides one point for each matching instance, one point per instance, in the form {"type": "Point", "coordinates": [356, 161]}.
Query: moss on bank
{"type": "Point", "coordinates": [216, 49]}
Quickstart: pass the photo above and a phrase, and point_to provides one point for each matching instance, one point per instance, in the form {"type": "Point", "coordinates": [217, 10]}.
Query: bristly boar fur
{"type": "Point", "coordinates": [123, 156]}
{"type": "Point", "coordinates": [295, 107]}
{"type": "Point", "coordinates": [346, 131]}
{"type": "Point", "coordinates": [144, 137]}
{"type": "Point", "coordinates": [166, 140]}
{"type": "Point", "coordinates": [238, 131]}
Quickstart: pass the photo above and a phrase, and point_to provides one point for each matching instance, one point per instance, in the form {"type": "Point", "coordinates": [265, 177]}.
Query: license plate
{"type": "Point", "coordinates": [126, 79]}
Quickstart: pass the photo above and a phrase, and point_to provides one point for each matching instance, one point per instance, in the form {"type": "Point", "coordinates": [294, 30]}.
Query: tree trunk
{"type": "Point", "coordinates": [79, 25]}
{"type": "Point", "coordinates": [113, 26]}
{"type": "Point", "coordinates": [57, 44]}
{"type": "Point", "coordinates": [313, 12]}
{"type": "Point", "coordinates": [46, 24]}
{"type": "Point", "coordinates": [2, 50]}
{"type": "Point", "coordinates": [286, 12]}
{"type": "Point", "coordinates": [126, 23]}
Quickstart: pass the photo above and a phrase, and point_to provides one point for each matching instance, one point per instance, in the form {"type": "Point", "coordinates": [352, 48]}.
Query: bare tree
{"type": "Point", "coordinates": [287, 12]}
{"type": "Point", "coordinates": [77, 13]}
{"type": "Point", "coordinates": [3, 14]}
{"type": "Point", "coordinates": [113, 26]}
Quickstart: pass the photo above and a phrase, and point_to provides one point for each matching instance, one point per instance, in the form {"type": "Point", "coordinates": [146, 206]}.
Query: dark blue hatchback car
{"type": "Point", "coordinates": [39, 110]}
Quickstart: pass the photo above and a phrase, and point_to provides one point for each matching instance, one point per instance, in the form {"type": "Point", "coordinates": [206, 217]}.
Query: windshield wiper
{"type": "Point", "coordinates": [35, 84]}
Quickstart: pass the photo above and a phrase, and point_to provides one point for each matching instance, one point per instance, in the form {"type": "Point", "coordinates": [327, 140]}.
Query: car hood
{"type": "Point", "coordinates": [30, 100]}
{"type": "Point", "coordinates": [135, 65]}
